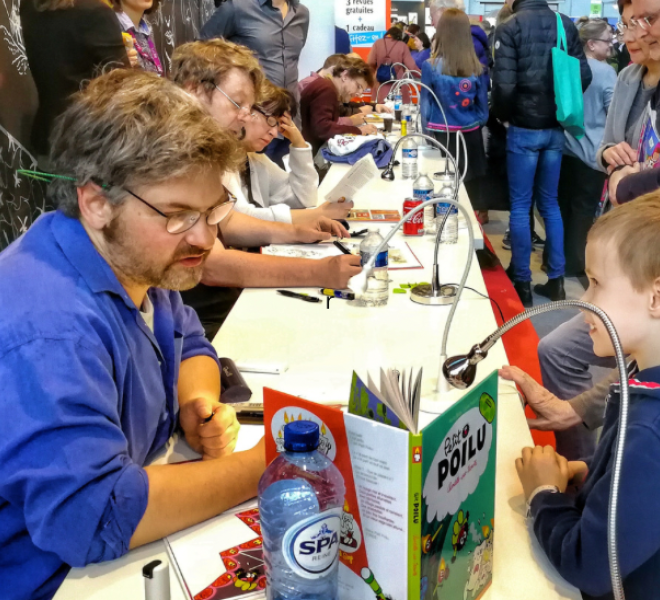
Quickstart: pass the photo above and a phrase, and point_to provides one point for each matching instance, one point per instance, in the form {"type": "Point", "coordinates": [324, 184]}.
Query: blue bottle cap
{"type": "Point", "coordinates": [301, 436]}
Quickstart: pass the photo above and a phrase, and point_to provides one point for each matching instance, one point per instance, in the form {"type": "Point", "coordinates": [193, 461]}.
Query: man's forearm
{"type": "Point", "coordinates": [186, 494]}
{"type": "Point", "coordinates": [590, 405]}
{"type": "Point", "coordinates": [244, 231]}
{"type": "Point", "coordinates": [199, 377]}
{"type": "Point", "coordinates": [233, 268]}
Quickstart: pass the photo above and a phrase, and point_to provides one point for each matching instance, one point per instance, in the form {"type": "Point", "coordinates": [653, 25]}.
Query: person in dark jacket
{"type": "Point", "coordinates": [66, 42]}
{"type": "Point", "coordinates": [523, 96]}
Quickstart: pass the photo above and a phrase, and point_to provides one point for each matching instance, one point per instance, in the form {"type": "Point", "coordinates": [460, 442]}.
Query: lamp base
{"type": "Point", "coordinates": [424, 294]}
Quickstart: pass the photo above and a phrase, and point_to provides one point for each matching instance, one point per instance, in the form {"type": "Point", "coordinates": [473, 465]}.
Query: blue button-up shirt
{"type": "Point", "coordinates": [87, 394]}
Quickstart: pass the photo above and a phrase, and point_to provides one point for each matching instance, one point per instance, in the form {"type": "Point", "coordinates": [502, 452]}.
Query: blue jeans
{"type": "Point", "coordinates": [533, 158]}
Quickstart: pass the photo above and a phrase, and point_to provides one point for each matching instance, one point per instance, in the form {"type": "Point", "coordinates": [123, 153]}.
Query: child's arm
{"type": "Point", "coordinates": [575, 540]}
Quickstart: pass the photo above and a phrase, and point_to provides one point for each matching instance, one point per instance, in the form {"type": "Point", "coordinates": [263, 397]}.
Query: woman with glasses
{"type": "Point", "coordinates": [581, 180]}
{"type": "Point", "coordinates": [319, 102]}
{"type": "Point", "coordinates": [634, 89]}
{"type": "Point", "coordinates": [265, 191]}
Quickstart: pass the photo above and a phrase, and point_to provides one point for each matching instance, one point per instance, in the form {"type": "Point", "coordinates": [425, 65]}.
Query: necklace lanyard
{"type": "Point", "coordinates": [152, 57]}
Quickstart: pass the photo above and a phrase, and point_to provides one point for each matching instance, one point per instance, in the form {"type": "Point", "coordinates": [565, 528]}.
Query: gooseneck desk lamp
{"type": "Point", "coordinates": [460, 371]}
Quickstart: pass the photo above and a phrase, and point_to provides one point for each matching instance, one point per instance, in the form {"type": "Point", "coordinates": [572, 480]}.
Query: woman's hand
{"type": "Point", "coordinates": [331, 210]}
{"type": "Point", "coordinates": [366, 109]}
{"type": "Point", "coordinates": [368, 130]}
{"type": "Point", "coordinates": [289, 130]}
{"type": "Point", "coordinates": [383, 108]}
{"type": "Point", "coordinates": [619, 155]}
{"type": "Point", "coordinates": [357, 119]}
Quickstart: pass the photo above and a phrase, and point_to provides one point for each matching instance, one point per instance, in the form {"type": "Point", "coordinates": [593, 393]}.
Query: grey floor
{"type": "Point", "coordinates": [544, 324]}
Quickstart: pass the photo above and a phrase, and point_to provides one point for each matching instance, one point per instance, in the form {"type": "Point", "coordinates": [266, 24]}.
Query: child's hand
{"type": "Point", "coordinates": [577, 472]}
{"type": "Point", "coordinates": [541, 465]}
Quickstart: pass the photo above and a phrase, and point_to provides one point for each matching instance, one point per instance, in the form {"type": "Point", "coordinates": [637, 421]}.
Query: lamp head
{"type": "Point", "coordinates": [461, 370]}
{"type": "Point", "coordinates": [388, 173]}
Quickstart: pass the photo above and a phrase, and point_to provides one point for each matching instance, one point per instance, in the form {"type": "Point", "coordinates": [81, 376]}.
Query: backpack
{"type": "Point", "coordinates": [385, 71]}
{"type": "Point", "coordinates": [568, 86]}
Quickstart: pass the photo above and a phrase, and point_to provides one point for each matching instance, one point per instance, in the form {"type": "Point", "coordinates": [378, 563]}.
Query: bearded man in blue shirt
{"type": "Point", "coordinates": [100, 361]}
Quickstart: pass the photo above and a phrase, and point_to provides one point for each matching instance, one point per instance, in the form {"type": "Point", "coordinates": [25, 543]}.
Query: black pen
{"type": "Point", "coordinates": [341, 246]}
{"type": "Point", "coordinates": [304, 297]}
{"type": "Point", "coordinates": [359, 233]}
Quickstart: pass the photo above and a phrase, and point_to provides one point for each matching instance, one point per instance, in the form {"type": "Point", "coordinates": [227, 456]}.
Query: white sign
{"type": "Point", "coordinates": [363, 19]}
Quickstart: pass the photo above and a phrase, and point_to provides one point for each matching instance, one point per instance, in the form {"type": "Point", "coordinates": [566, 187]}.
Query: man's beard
{"type": "Point", "coordinates": [133, 265]}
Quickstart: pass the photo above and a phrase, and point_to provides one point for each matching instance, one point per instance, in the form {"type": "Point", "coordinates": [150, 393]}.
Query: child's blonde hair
{"type": "Point", "coordinates": [634, 229]}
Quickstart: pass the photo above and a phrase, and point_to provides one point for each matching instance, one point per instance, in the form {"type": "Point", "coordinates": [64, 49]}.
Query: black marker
{"type": "Point", "coordinates": [341, 246]}
{"type": "Point", "coordinates": [305, 297]}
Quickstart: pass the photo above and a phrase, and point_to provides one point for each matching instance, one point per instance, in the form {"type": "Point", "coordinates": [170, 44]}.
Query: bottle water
{"type": "Point", "coordinates": [378, 284]}
{"type": "Point", "coordinates": [409, 155]}
{"type": "Point", "coordinates": [423, 188]}
{"type": "Point", "coordinates": [397, 101]}
{"type": "Point", "coordinates": [301, 498]}
{"type": "Point", "coordinates": [450, 231]}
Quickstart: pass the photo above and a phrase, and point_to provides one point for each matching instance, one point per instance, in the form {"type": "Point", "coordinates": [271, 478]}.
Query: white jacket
{"type": "Point", "coordinates": [275, 190]}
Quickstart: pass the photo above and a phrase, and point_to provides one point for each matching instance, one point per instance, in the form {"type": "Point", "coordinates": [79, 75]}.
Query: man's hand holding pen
{"type": "Point", "coordinates": [210, 427]}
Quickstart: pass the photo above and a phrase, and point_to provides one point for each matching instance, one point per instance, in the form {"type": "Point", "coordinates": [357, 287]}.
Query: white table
{"type": "Point", "coordinates": [321, 348]}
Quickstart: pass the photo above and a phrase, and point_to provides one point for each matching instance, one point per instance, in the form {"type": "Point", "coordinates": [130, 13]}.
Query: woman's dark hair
{"type": "Point", "coordinates": [275, 101]}
{"type": "Point", "coordinates": [395, 33]}
{"type": "Point", "coordinates": [422, 37]}
{"type": "Point", "coordinates": [414, 29]}
{"type": "Point", "coordinates": [622, 4]}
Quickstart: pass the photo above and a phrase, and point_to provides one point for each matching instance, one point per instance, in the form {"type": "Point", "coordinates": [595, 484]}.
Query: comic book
{"type": "Point", "coordinates": [423, 502]}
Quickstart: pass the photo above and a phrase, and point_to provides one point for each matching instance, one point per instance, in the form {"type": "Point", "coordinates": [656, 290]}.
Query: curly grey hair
{"type": "Point", "coordinates": [130, 128]}
{"type": "Point", "coordinates": [440, 5]}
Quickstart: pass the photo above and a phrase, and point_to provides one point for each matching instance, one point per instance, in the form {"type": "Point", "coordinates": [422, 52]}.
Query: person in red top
{"type": "Point", "coordinates": [391, 50]}
{"type": "Point", "coordinates": [319, 102]}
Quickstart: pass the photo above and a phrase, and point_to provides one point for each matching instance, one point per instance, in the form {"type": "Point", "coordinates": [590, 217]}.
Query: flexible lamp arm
{"type": "Point", "coordinates": [460, 371]}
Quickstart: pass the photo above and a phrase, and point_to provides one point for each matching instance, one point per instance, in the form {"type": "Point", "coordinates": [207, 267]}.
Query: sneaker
{"type": "Point", "coordinates": [506, 240]}
{"type": "Point", "coordinates": [537, 242]}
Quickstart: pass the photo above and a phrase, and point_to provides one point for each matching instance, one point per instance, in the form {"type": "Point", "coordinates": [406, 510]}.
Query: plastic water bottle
{"type": "Point", "coordinates": [450, 231]}
{"type": "Point", "coordinates": [409, 153]}
{"type": "Point", "coordinates": [378, 283]}
{"type": "Point", "coordinates": [423, 190]}
{"type": "Point", "coordinates": [301, 498]}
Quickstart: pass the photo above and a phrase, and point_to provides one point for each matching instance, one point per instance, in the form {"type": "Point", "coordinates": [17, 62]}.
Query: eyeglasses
{"type": "Point", "coordinates": [236, 104]}
{"type": "Point", "coordinates": [645, 23]}
{"type": "Point", "coordinates": [270, 119]}
{"type": "Point", "coordinates": [183, 220]}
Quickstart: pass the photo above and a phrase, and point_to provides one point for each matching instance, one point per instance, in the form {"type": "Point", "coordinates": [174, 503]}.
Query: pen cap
{"type": "Point", "coordinates": [234, 387]}
{"type": "Point", "coordinates": [156, 576]}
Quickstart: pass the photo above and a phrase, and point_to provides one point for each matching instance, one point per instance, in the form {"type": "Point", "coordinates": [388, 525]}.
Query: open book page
{"type": "Point", "coordinates": [361, 173]}
{"type": "Point", "coordinates": [368, 402]}
{"type": "Point", "coordinates": [221, 558]}
{"type": "Point", "coordinates": [314, 251]}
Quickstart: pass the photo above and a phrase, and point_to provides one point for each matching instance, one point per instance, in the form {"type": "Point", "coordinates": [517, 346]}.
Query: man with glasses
{"type": "Point", "coordinates": [100, 361]}
{"type": "Point", "coordinates": [203, 68]}
{"type": "Point", "coordinates": [633, 180]}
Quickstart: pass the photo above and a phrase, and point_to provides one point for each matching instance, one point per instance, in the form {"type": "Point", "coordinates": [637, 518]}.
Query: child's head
{"type": "Point", "coordinates": [623, 266]}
